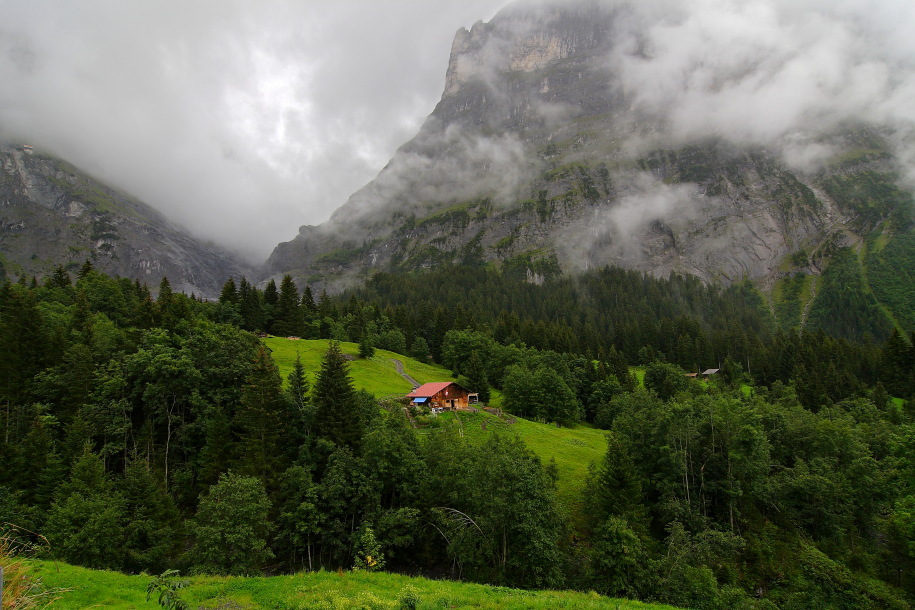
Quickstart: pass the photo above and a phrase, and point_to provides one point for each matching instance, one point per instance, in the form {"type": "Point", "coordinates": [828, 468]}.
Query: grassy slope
{"type": "Point", "coordinates": [573, 449]}
{"type": "Point", "coordinates": [91, 588]}
{"type": "Point", "coordinates": [376, 375]}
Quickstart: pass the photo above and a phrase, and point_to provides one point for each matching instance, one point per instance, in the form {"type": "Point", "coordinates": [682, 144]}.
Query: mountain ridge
{"type": "Point", "coordinates": [536, 150]}
{"type": "Point", "coordinates": [51, 214]}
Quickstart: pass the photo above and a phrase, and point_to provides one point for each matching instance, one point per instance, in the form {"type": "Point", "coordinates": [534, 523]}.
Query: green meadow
{"type": "Point", "coordinates": [571, 449]}
{"type": "Point", "coordinates": [80, 588]}
{"type": "Point", "coordinates": [377, 375]}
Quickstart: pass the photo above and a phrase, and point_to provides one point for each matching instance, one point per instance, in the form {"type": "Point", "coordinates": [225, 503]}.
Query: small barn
{"type": "Point", "coordinates": [445, 395]}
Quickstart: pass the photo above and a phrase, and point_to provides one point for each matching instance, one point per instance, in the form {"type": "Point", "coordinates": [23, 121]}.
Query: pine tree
{"type": "Point", "coordinates": [474, 377]}
{"type": "Point", "coordinates": [288, 315]}
{"type": "Point", "coordinates": [271, 300]}
{"type": "Point", "coordinates": [85, 270]}
{"type": "Point", "coordinates": [298, 385]}
{"type": "Point", "coordinates": [336, 407]}
{"type": "Point", "coordinates": [229, 292]}
{"type": "Point", "coordinates": [259, 419]}
{"type": "Point", "coordinates": [367, 345]}
{"type": "Point", "coordinates": [308, 301]}
{"type": "Point", "coordinates": [60, 279]}
{"type": "Point", "coordinates": [252, 312]}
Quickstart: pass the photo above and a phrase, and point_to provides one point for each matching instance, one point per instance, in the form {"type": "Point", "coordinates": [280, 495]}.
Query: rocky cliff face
{"type": "Point", "coordinates": [537, 152]}
{"type": "Point", "coordinates": [51, 214]}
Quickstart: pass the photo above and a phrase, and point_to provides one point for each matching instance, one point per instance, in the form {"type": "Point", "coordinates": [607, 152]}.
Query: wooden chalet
{"type": "Point", "coordinates": [442, 395]}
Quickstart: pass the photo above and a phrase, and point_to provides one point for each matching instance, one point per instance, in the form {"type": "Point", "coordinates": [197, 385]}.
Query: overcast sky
{"type": "Point", "coordinates": [243, 119]}
{"type": "Point", "coordinates": [240, 120]}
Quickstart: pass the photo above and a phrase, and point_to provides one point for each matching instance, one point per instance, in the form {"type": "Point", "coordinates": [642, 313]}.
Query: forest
{"type": "Point", "coordinates": [144, 433]}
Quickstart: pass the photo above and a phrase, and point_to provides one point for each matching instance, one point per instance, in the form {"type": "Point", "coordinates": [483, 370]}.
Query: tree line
{"type": "Point", "coordinates": [143, 433]}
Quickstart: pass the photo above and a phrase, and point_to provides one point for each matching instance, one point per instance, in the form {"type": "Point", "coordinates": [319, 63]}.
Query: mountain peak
{"type": "Point", "coordinates": [543, 147]}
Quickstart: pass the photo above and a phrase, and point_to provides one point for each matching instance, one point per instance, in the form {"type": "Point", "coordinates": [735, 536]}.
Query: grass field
{"type": "Point", "coordinates": [83, 588]}
{"type": "Point", "coordinates": [573, 449]}
{"type": "Point", "coordinates": [376, 375]}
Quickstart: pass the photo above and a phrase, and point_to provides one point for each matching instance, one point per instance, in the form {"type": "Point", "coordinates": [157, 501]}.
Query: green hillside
{"type": "Point", "coordinates": [83, 588]}
{"type": "Point", "coordinates": [572, 449]}
{"type": "Point", "coordinates": [377, 375]}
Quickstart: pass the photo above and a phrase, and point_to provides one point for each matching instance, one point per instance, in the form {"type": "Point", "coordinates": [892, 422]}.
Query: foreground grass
{"type": "Point", "coordinates": [376, 375]}
{"type": "Point", "coordinates": [337, 590]}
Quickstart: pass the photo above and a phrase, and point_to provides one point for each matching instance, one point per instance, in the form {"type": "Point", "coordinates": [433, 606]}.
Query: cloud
{"type": "Point", "coordinates": [444, 163]}
{"type": "Point", "coordinates": [615, 233]}
{"type": "Point", "coordinates": [238, 120]}
{"type": "Point", "coordinates": [779, 73]}
{"type": "Point", "coordinates": [244, 120]}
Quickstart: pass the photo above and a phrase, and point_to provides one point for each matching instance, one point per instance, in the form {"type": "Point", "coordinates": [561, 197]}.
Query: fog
{"type": "Point", "coordinates": [778, 73]}
{"type": "Point", "coordinates": [238, 120]}
{"type": "Point", "coordinates": [242, 121]}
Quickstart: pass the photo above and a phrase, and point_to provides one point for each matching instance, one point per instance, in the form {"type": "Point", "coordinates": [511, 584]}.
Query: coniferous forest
{"type": "Point", "coordinates": [141, 433]}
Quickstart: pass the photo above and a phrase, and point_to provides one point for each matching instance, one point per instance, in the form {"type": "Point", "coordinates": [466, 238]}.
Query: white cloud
{"type": "Point", "coordinates": [240, 120]}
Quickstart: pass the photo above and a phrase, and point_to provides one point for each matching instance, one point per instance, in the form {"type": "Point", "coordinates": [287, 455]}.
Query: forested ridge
{"type": "Point", "coordinates": [143, 433]}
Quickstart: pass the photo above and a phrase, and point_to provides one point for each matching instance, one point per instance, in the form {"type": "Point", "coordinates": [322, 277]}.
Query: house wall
{"type": "Point", "coordinates": [455, 394]}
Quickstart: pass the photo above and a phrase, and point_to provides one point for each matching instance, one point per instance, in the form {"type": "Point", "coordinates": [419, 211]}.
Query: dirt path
{"type": "Point", "coordinates": [399, 366]}
{"type": "Point", "coordinates": [813, 295]}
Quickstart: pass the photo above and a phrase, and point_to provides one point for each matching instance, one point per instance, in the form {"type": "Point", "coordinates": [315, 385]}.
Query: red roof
{"type": "Point", "coordinates": [428, 390]}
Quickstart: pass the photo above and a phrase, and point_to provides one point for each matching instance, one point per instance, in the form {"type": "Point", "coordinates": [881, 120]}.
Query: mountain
{"type": "Point", "coordinates": [51, 214]}
{"type": "Point", "coordinates": [542, 151]}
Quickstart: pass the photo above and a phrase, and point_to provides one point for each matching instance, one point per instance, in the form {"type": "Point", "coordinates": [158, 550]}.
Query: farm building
{"type": "Point", "coordinates": [442, 395]}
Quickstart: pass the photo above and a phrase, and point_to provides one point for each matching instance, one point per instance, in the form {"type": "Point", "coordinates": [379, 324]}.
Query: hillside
{"type": "Point", "coordinates": [377, 375]}
{"type": "Point", "coordinates": [572, 449]}
{"type": "Point", "coordinates": [82, 588]}
{"type": "Point", "coordinates": [54, 214]}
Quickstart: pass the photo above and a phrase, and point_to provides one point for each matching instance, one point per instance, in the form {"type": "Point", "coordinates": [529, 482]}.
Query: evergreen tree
{"type": "Point", "coordinates": [337, 416]}
{"type": "Point", "coordinates": [151, 521]}
{"type": "Point", "coordinates": [298, 384]}
{"type": "Point", "coordinates": [259, 420]}
{"type": "Point", "coordinates": [308, 302]}
{"type": "Point", "coordinates": [86, 523]}
{"type": "Point", "coordinates": [229, 292]}
{"type": "Point", "coordinates": [474, 377]}
{"type": "Point", "coordinates": [271, 301]}
{"type": "Point", "coordinates": [85, 270]}
{"type": "Point", "coordinates": [419, 350]}
{"type": "Point", "coordinates": [367, 345]}
{"type": "Point", "coordinates": [288, 319]}
{"type": "Point", "coordinates": [60, 278]}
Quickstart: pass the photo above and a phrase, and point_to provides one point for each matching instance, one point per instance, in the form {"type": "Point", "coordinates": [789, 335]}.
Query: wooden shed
{"type": "Point", "coordinates": [445, 395]}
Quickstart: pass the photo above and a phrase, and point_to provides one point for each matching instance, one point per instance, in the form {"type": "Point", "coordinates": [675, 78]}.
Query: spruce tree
{"type": "Point", "coordinates": [308, 302]}
{"type": "Point", "coordinates": [271, 300]}
{"type": "Point", "coordinates": [297, 391]}
{"type": "Point", "coordinates": [474, 377]}
{"type": "Point", "coordinates": [334, 397]}
{"type": "Point", "coordinates": [288, 314]}
{"type": "Point", "coordinates": [259, 419]}
{"type": "Point", "coordinates": [85, 270]}
{"type": "Point", "coordinates": [229, 292]}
